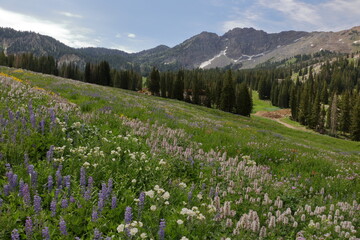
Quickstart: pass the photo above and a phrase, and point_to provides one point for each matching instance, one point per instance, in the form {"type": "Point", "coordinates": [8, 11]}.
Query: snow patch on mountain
{"type": "Point", "coordinates": [208, 62]}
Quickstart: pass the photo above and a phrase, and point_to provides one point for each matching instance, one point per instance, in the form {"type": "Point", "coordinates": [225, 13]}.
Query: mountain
{"type": "Point", "coordinates": [240, 47]}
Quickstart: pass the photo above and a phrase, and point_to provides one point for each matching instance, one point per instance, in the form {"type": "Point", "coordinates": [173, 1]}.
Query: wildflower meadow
{"type": "Point", "coordinates": [81, 161]}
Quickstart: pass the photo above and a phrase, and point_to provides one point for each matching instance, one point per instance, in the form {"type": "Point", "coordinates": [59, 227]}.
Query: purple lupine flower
{"type": "Point", "coordinates": [72, 199]}
{"type": "Point", "coordinates": [108, 238]}
{"type": "Point", "coordinates": [57, 192]}
{"type": "Point", "coordinates": [34, 177]}
{"type": "Point", "coordinates": [9, 174]}
{"type": "Point", "coordinates": [15, 235]}
{"type": "Point", "coordinates": [21, 185]}
{"type": "Point", "coordinates": [7, 165]}
{"type": "Point", "coordinates": [52, 116]}
{"type": "Point", "coordinates": [11, 115]}
{"type": "Point", "coordinates": [42, 126]}
{"type": "Point", "coordinates": [104, 190]}
{"type": "Point", "coordinates": [30, 169]}
{"type": "Point", "coordinates": [13, 181]}
{"type": "Point", "coordinates": [62, 226]}
{"type": "Point", "coordinates": [58, 177]}
{"type": "Point", "coordinates": [28, 227]}
{"type": "Point", "coordinates": [110, 187]}
{"type": "Point", "coordinates": [101, 203]}
{"type": "Point", "coordinates": [7, 189]}
{"type": "Point", "coordinates": [97, 234]}
{"type": "Point", "coordinates": [87, 195]}
{"type": "Point", "coordinates": [45, 233]}
{"type": "Point", "coordinates": [67, 182]}
{"type": "Point", "coordinates": [141, 203]}
{"type": "Point", "coordinates": [82, 177]}
{"type": "Point", "coordinates": [113, 202]}
{"type": "Point", "coordinates": [37, 203]}
{"type": "Point", "coordinates": [128, 215]}
{"type": "Point", "coordinates": [90, 182]}
{"type": "Point", "coordinates": [50, 183]}
{"type": "Point", "coordinates": [26, 194]}
{"type": "Point", "coordinates": [162, 229]}
{"type": "Point", "coordinates": [53, 207]}
{"type": "Point", "coordinates": [50, 153]}
{"type": "Point", "coordinates": [64, 203]}
{"type": "Point", "coordinates": [94, 215]}
{"type": "Point", "coordinates": [32, 115]}
{"type": "Point", "coordinates": [190, 195]}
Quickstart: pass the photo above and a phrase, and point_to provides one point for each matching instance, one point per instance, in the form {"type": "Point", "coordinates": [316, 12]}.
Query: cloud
{"type": "Point", "coordinates": [65, 32]}
{"type": "Point", "coordinates": [71, 15]}
{"type": "Point", "coordinates": [118, 35]}
{"type": "Point", "coordinates": [279, 15]}
{"type": "Point", "coordinates": [131, 35]}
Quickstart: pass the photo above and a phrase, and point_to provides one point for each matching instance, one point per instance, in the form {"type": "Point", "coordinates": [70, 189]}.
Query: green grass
{"type": "Point", "coordinates": [261, 105]}
{"type": "Point", "coordinates": [294, 158]}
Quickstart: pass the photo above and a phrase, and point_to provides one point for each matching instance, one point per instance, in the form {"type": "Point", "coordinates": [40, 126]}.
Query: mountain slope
{"type": "Point", "coordinates": [243, 47]}
{"type": "Point", "coordinates": [161, 161]}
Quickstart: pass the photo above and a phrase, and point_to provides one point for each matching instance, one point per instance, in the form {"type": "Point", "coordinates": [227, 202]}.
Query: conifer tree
{"type": "Point", "coordinates": [345, 117]}
{"type": "Point", "coordinates": [325, 94]}
{"type": "Point", "coordinates": [163, 85]}
{"type": "Point", "coordinates": [333, 116]}
{"type": "Point", "coordinates": [315, 112]}
{"type": "Point", "coordinates": [178, 88]}
{"type": "Point", "coordinates": [154, 82]}
{"type": "Point", "coordinates": [227, 98]}
{"type": "Point", "coordinates": [355, 121]}
{"type": "Point", "coordinates": [104, 73]}
{"type": "Point", "coordinates": [294, 103]}
{"type": "Point", "coordinates": [243, 104]}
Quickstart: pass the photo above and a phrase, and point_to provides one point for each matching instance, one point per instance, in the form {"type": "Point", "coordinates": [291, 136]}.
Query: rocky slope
{"type": "Point", "coordinates": [241, 47]}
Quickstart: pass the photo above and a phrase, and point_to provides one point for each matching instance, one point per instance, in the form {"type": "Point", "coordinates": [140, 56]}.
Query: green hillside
{"type": "Point", "coordinates": [222, 175]}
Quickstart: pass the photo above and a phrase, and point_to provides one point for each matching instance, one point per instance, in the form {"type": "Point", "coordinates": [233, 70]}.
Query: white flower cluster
{"type": "Point", "coordinates": [193, 212]}
{"type": "Point", "coordinates": [133, 228]}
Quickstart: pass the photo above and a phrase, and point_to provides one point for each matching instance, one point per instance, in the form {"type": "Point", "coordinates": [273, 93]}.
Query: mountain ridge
{"type": "Point", "coordinates": [241, 47]}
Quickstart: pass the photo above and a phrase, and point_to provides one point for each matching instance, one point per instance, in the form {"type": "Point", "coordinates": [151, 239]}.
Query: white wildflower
{"type": "Point", "coordinates": [120, 228]}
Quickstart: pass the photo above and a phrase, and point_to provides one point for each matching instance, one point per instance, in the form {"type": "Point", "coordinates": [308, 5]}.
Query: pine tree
{"type": "Point", "coordinates": [87, 74]}
{"type": "Point", "coordinates": [325, 94]}
{"type": "Point", "coordinates": [196, 89]}
{"type": "Point", "coordinates": [333, 116]}
{"type": "Point", "coordinates": [321, 124]}
{"type": "Point", "coordinates": [294, 103]}
{"type": "Point", "coordinates": [355, 121]}
{"type": "Point", "coordinates": [315, 113]}
{"type": "Point", "coordinates": [178, 88]}
{"type": "Point", "coordinates": [345, 117]}
{"type": "Point", "coordinates": [154, 82]}
{"type": "Point", "coordinates": [163, 85]}
{"type": "Point", "coordinates": [243, 103]}
{"type": "Point", "coordinates": [227, 98]}
{"type": "Point", "coordinates": [104, 73]}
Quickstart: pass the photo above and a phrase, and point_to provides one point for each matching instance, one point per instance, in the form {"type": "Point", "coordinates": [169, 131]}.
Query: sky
{"type": "Point", "coordinates": [136, 25]}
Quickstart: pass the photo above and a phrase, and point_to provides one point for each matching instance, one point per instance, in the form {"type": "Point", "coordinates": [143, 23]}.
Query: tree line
{"type": "Point", "coordinates": [213, 89]}
{"type": "Point", "coordinates": [97, 73]}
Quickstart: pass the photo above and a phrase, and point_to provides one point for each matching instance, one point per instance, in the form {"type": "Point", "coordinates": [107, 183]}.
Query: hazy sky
{"type": "Point", "coordinates": [135, 25]}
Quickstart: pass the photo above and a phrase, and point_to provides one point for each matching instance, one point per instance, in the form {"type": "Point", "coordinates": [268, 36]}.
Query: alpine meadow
{"type": "Point", "coordinates": [240, 135]}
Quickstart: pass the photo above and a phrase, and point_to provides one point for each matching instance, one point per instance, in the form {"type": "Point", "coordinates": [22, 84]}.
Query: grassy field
{"type": "Point", "coordinates": [224, 175]}
{"type": "Point", "coordinates": [260, 105]}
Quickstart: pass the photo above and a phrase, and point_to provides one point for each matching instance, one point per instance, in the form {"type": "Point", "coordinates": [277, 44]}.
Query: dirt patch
{"type": "Point", "coordinates": [274, 114]}
{"type": "Point", "coordinates": [278, 115]}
